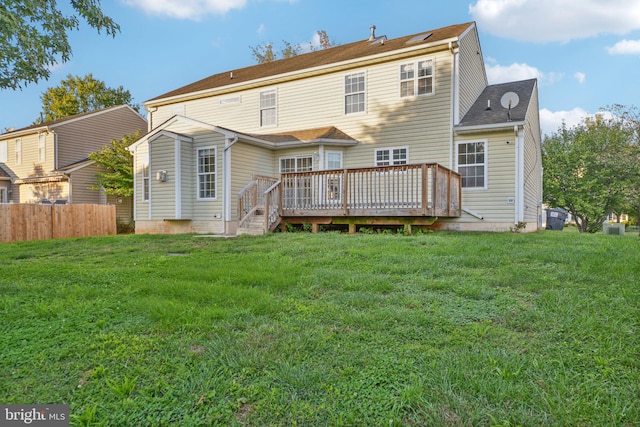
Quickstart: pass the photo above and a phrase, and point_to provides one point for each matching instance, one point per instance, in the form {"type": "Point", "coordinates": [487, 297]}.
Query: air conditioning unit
{"type": "Point", "coordinates": [613, 229]}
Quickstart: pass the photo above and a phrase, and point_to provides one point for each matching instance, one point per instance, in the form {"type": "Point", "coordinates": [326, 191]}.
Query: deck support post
{"type": "Point", "coordinates": [315, 227]}
{"type": "Point", "coordinates": [352, 228]}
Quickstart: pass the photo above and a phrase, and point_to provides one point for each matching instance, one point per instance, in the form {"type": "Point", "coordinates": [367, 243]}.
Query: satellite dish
{"type": "Point", "coordinates": [509, 100]}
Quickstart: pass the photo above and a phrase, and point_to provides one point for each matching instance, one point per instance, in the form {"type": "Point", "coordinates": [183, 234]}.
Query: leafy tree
{"type": "Point", "coordinates": [77, 95]}
{"type": "Point", "coordinates": [265, 52]}
{"type": "Point", "coordinates": [593, 169]}
{"type": "Point", "coordinates": [34, 37]}
{"type": "Point", "coordinates": [116, 166]}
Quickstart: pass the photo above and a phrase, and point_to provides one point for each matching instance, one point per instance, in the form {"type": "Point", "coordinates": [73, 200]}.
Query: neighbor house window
{"type": "Point", "coordinates": [145, 178]}
{"type": "Point", "coordinates": [3, 152]}
{"type": "Point", "coordinates": [3, 195]}
{"type": "Point", "coordinates": [392, 156]}
{"type": "Point", "coordinates": [354, 93]}
{"type": "Point", "coordinates": [472, 164]}
{"type": "Point", "coordinates": [42, 147]}
{"type": "Point", "coordinates": [268, 108]}
{"type": "Point", "coordinates": [207, 173]}
{"type": "Point", "coordinates": [18, 151]}
{"type": "Point", "coordinates": [416, 78]}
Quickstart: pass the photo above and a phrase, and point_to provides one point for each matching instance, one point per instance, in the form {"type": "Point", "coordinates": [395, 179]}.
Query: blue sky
{"type": "Point", "coordinates": [585, 53]}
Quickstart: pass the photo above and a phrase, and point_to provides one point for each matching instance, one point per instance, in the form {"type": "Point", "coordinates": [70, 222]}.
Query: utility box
{"type": "Point", "coordinates": [614, 229]}
{"type": "Point", "coordinates": [556, 218]}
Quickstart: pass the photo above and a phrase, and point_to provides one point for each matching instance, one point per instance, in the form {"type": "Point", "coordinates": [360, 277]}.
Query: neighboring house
{"type": "Point", "coordinates": [400, 132]}
{"type": "Point", "coordinates": [48, 162]}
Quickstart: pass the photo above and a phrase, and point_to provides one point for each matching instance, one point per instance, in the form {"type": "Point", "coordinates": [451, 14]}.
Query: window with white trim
{"type": "Point", "coordinates": [18, 151]}
{"type": "Point", "coordinates": [42, 147]}
{"type": "Point", "coordinates": [333, 182]}
{"type": "Point", "coordinates": [268, 108]}
{"type": "Point", "coordinates": [416, 79]}
{"type": "Point", "coordinates": [207, 173]}
{"type": "Point", "coordinates": [333, 160]}
{"type": "Point", "coordinates": [146, 182]}
{"type": "Point", "coordinates": [472, 164]}
{"type": "Point", "coordinates": [392, 156]}
{"type": "Point", "coordinates": [296, 164]}
{"type": "Point", "coordinates": [354, 93]}
{"type": "Point", "coordinates": [3, 152]}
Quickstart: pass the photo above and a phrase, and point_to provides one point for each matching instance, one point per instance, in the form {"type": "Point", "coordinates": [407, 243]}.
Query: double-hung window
{"type": "Point", "coordinates": [18, 151]}
{"type": "Point", "coordinates": [207, 173]}
{"type": "Point", "coordinates": [42, 147]}
{"type": "Point", "coordinates": [3, 152]}
{"type": "Point", "coordinates": [416, 78]}
{"type": "Point", "coordinates": [392, 156]}
{"type": "Point", "coordinates": [268, 108]}
{"type": "Point", "coordinates": [145, 178]}
{"type": "Point", "coordinates": [354, 93]}
{"type": "Point", "coordinates": [472, 164]}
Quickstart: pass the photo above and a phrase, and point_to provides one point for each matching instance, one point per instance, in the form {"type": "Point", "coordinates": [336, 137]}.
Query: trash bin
{"type": "Point", "coordinates": [556, 218]}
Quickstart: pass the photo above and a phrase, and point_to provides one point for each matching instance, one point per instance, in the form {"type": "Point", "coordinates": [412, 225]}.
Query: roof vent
{"type": "Point", "coordinates": [372, 37]}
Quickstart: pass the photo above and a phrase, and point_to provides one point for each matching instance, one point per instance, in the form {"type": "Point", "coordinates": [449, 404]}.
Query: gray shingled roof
{"type": "Point", "coordinates": [480, 114]}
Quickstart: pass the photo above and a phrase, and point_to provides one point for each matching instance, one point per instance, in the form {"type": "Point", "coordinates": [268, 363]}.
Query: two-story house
{"type": "Point", "coordinates": [397, 131]}
{"type": "Point", "coordinates": [48, 162]}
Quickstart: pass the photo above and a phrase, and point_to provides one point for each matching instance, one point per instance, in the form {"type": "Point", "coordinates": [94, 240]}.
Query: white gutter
{"type": "Point", "coordinates": [226, 180]}
{"type": "Point", "coordinates": [519, 160]}
{"type": "Point", "coordinates": [490, 127]}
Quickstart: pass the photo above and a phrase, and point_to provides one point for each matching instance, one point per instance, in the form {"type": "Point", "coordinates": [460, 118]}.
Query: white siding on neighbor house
{"type": "Point", "coordinates": [497, 202]}
{"type": "Point", "coordinates": [532, 164]}
{"type": "Point", "coordinates": [315, 102]}
{"type": "Point", "coordinates": [81, 182]}
{"type": "Point", "coordinates": [141, 208]}
{"type": "Point", "coordinates": [78, 138]}
{"type": "Point", "coordinates": [162, 154]}
{"type": "Point", "coordinates": [472, 75]}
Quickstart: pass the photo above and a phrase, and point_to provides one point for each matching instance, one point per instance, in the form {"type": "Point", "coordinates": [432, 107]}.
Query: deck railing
{"type": "Point", "coordinates": [251, 199]}
{"type": "Point", "coordinates": [428, 190]}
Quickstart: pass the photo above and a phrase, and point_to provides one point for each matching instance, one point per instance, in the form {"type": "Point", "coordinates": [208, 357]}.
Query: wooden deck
{"type": "Point", "coordinates": [417, 194]}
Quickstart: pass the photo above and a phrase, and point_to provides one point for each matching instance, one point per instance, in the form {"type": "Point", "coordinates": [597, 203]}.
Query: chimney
{"type": "Point", "coordinates": [372, 37]}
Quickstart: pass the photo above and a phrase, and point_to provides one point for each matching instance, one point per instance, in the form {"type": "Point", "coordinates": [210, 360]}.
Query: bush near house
{"type": "Point", "coordinates": [325, 329]}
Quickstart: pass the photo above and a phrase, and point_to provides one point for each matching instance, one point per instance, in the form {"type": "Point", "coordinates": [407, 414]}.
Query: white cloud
{"type": "Point", "coordinates": [261, 30]}
{"type": "Point", "coordinates": [551, 20]}
{"type": "Point", "coordinates": [625, 47]}
{"type": "Point", "coordinates": [514, 72]}
{"type": "Point", "coordinates": [186, 9]}
{"type": "Point", "coordinates": [580, 77]}
{"type": "Point", "coordinates": [551, 121]}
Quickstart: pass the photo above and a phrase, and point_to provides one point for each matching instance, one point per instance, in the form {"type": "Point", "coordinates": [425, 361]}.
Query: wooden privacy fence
{"type": "Point", "coordinates": [19, 222]}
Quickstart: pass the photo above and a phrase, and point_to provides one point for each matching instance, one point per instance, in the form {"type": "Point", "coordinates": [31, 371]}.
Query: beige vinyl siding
{"type": "Point", "coordinates": [205, 209]}
{"type": "Point", "coordinates": [78, 138]}
{"type": "Point", "coordinates": [473, 78]}
{"type": "Point", "coordinates": [30, 166]}
{"type": "Point", "coordinates": [81, 182]}
{"type": "Point", "coordinates": [162, 153]}
{"type": "Point", "coordinates": [248, 161]}
{"type": "Point", "coordinates": [493, 203]}
{"type": "Point", "coordinates": [34, 193]}
{"type": "Point", "coordinates": [141, 210]}
{"type": "Point", "coordinates": [532, 163]}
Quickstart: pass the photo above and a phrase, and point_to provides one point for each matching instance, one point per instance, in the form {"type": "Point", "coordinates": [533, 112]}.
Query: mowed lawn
{"type": "Point", "coordinates": [441, 329]}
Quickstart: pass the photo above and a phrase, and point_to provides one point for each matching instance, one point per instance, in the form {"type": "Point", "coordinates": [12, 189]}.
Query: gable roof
{"type": "Point", "coordinates": [4, 175]}
{"type": "Point", "coordinates": [320, 58]}
{"type": "Point", "coordinates": [487, 110]}
{"type": "Point", "coordinates": [54, 123]}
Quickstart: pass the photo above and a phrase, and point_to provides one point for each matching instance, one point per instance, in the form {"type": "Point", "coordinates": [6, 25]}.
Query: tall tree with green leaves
{"type": "Point", "coordinates": [265, 52]}
{"type": "Point", "coordinates": [34, 37]}
{"type": "Point", "coordinates": [77, 95]}
{"type": "Point", "coordinates": [593, 169]}
{"type": "Point", "coordinates": [115, 163]}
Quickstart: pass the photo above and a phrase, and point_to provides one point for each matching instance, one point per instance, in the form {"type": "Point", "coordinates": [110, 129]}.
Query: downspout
{"type": "Point", "coordinates": [455, 107]}
{"type": "Point", "coordinates": [519, 211]}
{"type": "Point", "coordinates": [55, 149]}
{"type": "Point", "coordinates": [229, 142]}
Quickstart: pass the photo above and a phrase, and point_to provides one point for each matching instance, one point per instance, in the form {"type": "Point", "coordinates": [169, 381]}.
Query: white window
{"type": "Point", "coordinates": [3, 152]}
{"type": "Point", "coordinates": [416, 78]}
{"type": "Point", "coordinates": [392, 156]}
{"type": "Point", "coordinates": [145, 178]}
{"type": "Point", "coordinates": [296, 164]}
{"type": "Point", "coordinates": [18, 151]}
{"type": "Point", "coordinates": [472, 164]}
{"type": "Point", "coordinates": [354, 93]}
{"type": "Point", "coordinates": [42, 147]}
{"type": "Point", "coordinates": [207, 173]}
{"type": "Point", "coordinates": [268, 108]}
{"type": "Point", "coordinates": [333, 160]}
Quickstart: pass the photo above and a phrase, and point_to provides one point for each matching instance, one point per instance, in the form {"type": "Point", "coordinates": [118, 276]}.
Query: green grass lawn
{"type": "Point", "coordinates": [325, 330]}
